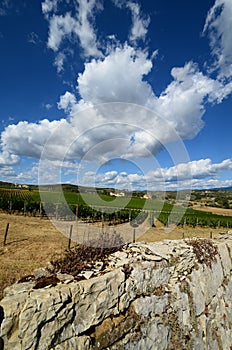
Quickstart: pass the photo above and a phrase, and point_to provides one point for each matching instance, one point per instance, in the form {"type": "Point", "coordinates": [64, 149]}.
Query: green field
{"type": "Point", "coordinates": [92, 205]}
{"type": "Point", "coordinates": [100, 200]}
{"type": "Point", "coordinates": [13, 194]}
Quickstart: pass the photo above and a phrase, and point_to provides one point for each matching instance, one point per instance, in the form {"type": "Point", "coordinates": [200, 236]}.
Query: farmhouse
{"type": "Point", "coordinates": [21, 186]}
{"type": "Point", "coordinates": [147, 196]}
{"type": "Point", "coordinates": [117, 194]}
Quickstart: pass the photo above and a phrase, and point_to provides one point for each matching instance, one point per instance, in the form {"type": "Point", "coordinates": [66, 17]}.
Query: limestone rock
{"type": "Point", "coordinates": [150, 306]}
{"type": "Point", "coordinates": [86, 274]}
{"type": "Point", "coordinates": [154, 296]}
{"type": "Point", "coordinates": [147, 278]}
{"type": "Point", "coordinates": [41, 272]}
{"type": "Point", "coordinates": [64, 277]}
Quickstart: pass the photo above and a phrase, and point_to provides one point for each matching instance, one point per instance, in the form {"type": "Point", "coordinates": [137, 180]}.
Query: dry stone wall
{"type": "Point", "coordinates": [156, 296]}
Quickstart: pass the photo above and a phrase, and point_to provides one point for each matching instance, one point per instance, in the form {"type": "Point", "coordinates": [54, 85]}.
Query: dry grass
{"type": "Point", "coordinates": [32, 242]}
{"type": "Point", "coordinates": [219, 211]}
{"type": "Point", "coordinates": [160, 233]}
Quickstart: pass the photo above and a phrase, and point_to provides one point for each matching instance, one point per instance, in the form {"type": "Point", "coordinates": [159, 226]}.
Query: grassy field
{"type": "Point", "coordinates": [32, 242]}
{"type": "Point", "coordinates": [101, 200]}
{"type": "Point", "coordinates": [80, 198]}
{"type": "Point", "coordinates": [91, 204]}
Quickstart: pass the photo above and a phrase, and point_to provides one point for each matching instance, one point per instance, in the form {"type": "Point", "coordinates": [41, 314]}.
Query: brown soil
{"type": "Point", "coordinates": [33, 242]}
{"type": "Point", "coordinates": [219, 211]}
{"type": "Point", "coordinates": [161, 233]}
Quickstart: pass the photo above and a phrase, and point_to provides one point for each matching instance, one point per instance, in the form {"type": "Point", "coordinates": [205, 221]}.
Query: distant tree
{"type": "Point", "coordinates": [225, 203]}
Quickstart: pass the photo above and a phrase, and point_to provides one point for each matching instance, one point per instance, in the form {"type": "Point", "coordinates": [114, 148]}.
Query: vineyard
{"type": "Point", "coordinates": [134, 210]}
{"type": "Point", "coordinates": [17, 200]}
{"type": "Point", "coordinates": [15, 194]}
{"type": "Point", "coordinates": [196, 218]}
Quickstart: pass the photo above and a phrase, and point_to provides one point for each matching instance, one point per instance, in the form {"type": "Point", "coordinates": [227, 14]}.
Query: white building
{"type": "Point", "coordinates": [117, 194]}
{"type": "Point", "coordinates": [147, 196]}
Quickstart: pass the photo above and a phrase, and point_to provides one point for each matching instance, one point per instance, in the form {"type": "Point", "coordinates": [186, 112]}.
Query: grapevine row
{"type": "Point", "coordinates": [22, 201]}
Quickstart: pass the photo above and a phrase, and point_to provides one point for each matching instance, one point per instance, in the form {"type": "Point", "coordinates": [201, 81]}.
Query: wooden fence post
{"type": "Point", "coordinates": [6, 232]}
{"type": "Point", "coordinates": [102, 217]}
{"type": "Point", "coordinates": [151, 219]}
{"type": "Point", "coordinates": [56, 213]}
{"type": "Point", "coordinates": [76, 212]}
{"type": "Point", "coordinates": [70, 237]}
{"type": "Point", "coordinates": [185, 222]}
{"type": "Point", "coordinates": [134, 235]}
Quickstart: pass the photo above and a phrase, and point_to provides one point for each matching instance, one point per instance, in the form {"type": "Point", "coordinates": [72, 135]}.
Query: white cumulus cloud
{"type": "Point", "coordinates": [60, 27]}
{"type": "Point", "coordinates": [140, 22]}
{"type": "Point", "coordinates": [67, 101]}
{"type": "Point", "coordinates": [59, 62]}
{"type": "Point", "coordinates": [116, 112]}
{"type": "Point", "coordinates": [218, 27]}
{"type": "Point", "coordinates": [193, 174]}
{"type": "Point", "coordinates": [78, 27]}
{"type": "Point", "coordinates": [48, 6]}
{"type": "Point", "coordinates": [117, 78]}
{"type": "Point", "coordinates": [117, 103]}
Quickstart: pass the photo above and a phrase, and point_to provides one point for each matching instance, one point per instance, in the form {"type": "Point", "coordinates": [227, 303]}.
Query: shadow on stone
{"type": "Point", "coordinates": [1, 319]}
{"type": "Point", "coordinates": [1, 315]}
{"type": "Point", "coordinates": [1, 344]}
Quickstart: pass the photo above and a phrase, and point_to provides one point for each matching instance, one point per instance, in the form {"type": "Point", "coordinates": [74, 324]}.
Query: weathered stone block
{"type": "Point", "coordinates": [165, 301]}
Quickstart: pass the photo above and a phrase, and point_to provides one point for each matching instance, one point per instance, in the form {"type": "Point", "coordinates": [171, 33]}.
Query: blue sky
{"type": "Point", "coordinates": [126, 94]}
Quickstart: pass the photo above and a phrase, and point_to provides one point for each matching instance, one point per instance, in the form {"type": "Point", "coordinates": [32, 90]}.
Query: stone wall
{"type": "Point", "coordinates": [166, 295]}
